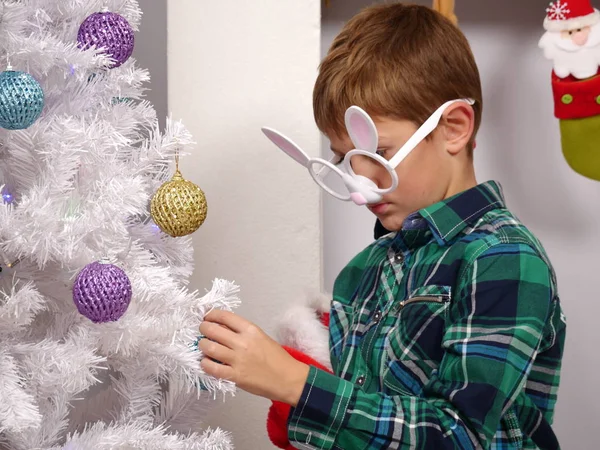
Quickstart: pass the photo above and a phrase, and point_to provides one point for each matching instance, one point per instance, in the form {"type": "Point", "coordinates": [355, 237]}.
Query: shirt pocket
{"type": "Point", "coordinates": [413, 344]}
{"type": "Point", "coordinates": [340, 324]}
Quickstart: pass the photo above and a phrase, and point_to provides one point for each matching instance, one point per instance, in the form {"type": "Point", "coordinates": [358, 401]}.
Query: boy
{"type": "Point", "coordinates": [446, 333]}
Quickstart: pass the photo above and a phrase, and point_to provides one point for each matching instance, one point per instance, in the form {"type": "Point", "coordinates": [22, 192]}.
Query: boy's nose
{"type": "Point", "coordinates": [358, 198]}
{"type": "Point", "coordinates": [371, 169]}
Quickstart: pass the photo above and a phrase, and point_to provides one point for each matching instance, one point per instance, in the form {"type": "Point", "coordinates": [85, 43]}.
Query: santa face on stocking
{"type": "Point", "coordinates": [572, 38]}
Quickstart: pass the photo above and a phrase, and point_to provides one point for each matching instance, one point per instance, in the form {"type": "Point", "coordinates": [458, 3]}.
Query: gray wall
{"type": "Point", "coordinates": [151, 53]}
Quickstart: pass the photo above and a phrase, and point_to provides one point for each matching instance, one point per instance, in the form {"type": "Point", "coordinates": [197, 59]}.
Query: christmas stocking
{"type": "Point", "coordinates": [304, 333]}
{"type": "Point", "coordinates": [572, 42]}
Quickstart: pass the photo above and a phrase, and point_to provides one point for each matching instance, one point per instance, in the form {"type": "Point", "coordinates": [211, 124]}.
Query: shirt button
{"type": "Point", "coordinates": [399, 257]}
{"type": "Point", "coordinates": [377, 316]}
{"type": "Point", "coordinates": [360, 380]}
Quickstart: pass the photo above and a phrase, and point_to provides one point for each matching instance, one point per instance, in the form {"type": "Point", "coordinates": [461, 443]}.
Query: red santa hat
{"type": "Point", "coordinates": [277, 417]}
{"type": "Point", "coordinates": [305, 327]}
{"type": "Point", "coordinates": [303, 331]}
{"type": "Point", "coordinates": [565, 15]}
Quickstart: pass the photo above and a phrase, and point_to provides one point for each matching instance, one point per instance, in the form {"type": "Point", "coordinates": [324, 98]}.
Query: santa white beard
{"type": "Point", "coordinates": [570, 58]}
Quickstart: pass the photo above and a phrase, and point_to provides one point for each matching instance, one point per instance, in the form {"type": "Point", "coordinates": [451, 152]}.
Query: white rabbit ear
{"type": "Point", "coordinates": [287, 145]}
{"type": "Point", "coordinates": [361, 129]}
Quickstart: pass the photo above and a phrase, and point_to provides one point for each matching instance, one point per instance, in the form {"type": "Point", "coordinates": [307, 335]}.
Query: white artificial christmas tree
{"type": "Point", "coordinates": [77, 178]}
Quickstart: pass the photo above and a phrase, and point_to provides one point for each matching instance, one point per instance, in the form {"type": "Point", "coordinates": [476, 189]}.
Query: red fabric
{"type": "Point", "coordinates": [279, 412]}
{"type": "Point", "coordinates": [325, 319]}
{"type": "Point", "coordinates": [277, 425]}
{"type": "Point", "coordinates": [572, 9]}
{"type": "Point", "coordinates": [582, 97]}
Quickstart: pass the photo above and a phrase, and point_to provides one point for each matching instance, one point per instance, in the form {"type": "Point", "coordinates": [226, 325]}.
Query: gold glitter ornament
{"type": "Point", "coordinates": [179, 206]}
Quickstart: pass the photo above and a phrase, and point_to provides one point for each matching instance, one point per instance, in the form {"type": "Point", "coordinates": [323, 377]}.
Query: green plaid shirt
{"type": "Point", "coordinates": [448, 334]}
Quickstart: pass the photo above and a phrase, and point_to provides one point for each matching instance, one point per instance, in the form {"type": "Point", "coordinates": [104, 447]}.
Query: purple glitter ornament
{"type": "Point", "coordinates": [108, 31]}
{"type": "Point", "coordinates": [102, 292]}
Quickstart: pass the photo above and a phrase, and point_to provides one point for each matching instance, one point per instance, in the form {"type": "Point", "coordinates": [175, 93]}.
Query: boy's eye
{"type": "Point", "coordinates": [381, 152]}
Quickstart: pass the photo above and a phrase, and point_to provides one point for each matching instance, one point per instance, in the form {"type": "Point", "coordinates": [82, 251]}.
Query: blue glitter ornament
{"type": "Point", "coordinates": [119, 100]}
{"type": "Point", "coordinates": [21, 100]}
{"type": "Point", "coordinates": [194, 347]}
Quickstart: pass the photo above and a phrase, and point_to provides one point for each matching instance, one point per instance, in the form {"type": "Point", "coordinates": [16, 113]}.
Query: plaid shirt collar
{"type": "Point", "coordinates": [446, 219]}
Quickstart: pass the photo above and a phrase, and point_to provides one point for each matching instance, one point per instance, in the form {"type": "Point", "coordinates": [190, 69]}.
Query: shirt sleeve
{"type": "Point", "coordinates": [494, 328]}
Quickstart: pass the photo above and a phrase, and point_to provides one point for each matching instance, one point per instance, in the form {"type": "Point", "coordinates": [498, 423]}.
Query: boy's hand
{"type": "Point", "coordinates": [251, 359]}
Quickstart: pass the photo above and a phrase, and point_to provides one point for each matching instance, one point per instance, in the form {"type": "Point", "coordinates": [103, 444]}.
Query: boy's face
{"type": "Point", "coordinates": [426, 176]}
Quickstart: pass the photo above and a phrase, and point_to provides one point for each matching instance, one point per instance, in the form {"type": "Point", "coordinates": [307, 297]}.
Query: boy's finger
{"type": "Point", "coordinates": [218, 333]}
{"type": "Point", "coordinates": [216, 351]}
{"type": "Point", "coordinates": [229, 319]}
{"type": "Point", "coordinates": [220, 371]}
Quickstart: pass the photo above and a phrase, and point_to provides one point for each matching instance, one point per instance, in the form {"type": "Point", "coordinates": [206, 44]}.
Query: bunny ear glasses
{"type": "Point", "coordinates": [349, 180]}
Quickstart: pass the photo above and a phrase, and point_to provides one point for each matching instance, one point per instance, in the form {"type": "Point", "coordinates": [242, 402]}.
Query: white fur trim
{"type": "Point", "coordinates": [320, 302]}
{"type": "Point", "coordinates": [300, 328]}
{"type": "Point", "coordinates": [572, 24]}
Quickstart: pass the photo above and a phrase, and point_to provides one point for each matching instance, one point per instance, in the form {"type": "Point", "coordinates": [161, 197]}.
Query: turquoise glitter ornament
{"type": "Point", "coordinates": [194, 347]}
{"type": "Point", "coordinates": [21, 100]}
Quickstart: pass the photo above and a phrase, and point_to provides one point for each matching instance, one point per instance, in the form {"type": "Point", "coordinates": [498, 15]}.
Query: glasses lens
{"type": "Point", "coordinates": [372, 169]}
{"type": "Point", "coordinates": [329, 179]}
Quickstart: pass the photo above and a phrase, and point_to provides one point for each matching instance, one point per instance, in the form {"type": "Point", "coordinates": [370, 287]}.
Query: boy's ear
{"type": "Point", "coordinates": [458, 123]}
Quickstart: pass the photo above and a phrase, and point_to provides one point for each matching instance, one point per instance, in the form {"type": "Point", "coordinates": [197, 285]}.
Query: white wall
{"type": "Point", "coordinates": [233, 67]}
{"type": "Point", "coordinates": [519, 145]}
